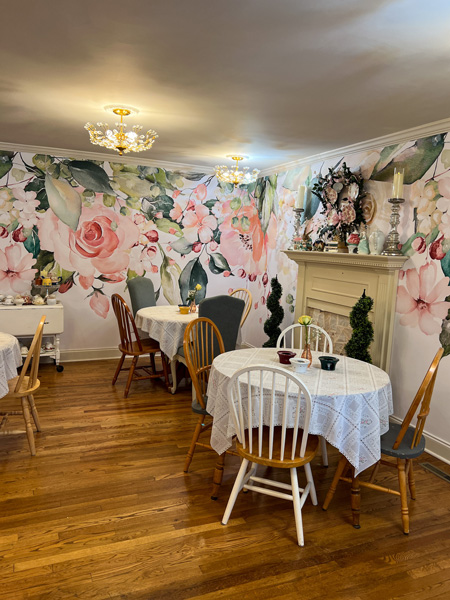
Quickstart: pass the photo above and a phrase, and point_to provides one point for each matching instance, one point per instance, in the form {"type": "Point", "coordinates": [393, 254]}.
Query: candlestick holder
{"type": "Point", "coordinates": [392, 240]}
{"type": "Point", "coordinates": [297, 237]}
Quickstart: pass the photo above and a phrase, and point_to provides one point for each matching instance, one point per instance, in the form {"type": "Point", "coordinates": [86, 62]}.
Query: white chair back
{"type": "Point", "coordinates": [292, 337]}
{"type": "Point", "coordinates": [246, 296]}
{"type": "Point", "coordinates": [261, 393]}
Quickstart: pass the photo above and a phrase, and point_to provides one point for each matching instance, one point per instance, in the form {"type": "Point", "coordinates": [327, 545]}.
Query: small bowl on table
{"type": "Point", "coordinates": [184, 310]}
{"type": "Point", "coordinates": [300, 365]}
{"type": "Point", "coordinates": [328, 363]}
{"type": "Point", "coordinates": [285, 356]}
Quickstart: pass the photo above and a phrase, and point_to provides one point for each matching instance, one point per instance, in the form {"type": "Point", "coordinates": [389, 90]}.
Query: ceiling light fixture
{"type": "Point", "coordinates": [120, 139]}
{"type": "Point", "coordinates": [233, 175]}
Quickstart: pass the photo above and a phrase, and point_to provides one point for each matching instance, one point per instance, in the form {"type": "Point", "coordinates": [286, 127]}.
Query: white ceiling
{"type": "Point", "coordinates": [274, 79]}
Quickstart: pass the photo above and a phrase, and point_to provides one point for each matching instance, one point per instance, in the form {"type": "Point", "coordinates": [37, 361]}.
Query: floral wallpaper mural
{"type": "Point", "coordinates": [96, 225]}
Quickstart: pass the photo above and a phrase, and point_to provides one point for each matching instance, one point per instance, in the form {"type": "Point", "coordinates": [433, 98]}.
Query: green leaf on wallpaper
{"type": "Point", "coordinates": [134, 203]}
{"type": "Point", "coordinates": [192, 274]}
{"type": "Point", "coordinates": [181, 245]}
{"type": "Point", "coordinates": [415, 159]}
{"type": "Point", "coordinates": [291, 180]}
{"type": "Point", "coordinates": [168, 226]}
{"type": "Point", "coordinates": [32, 243]}
{"type": "Point", "coordinates": [64, 201]}
{"type": "Point", "coordinates": [44, 261]}
{"type": "Point", "coordinates": [164, 204]}
{"type": "Point", "coordinates": [445, 264]}
{"type": "Point", "coordinates": [5, 162]}
{"type": "Point", "coordinates": [170, 275]}
{"type": "Point", "coordinates": [13, 226]}
{"type": "Point", "coordinates": [192, 176]}
{"type": "Point", "coordinates": [432, 235]}
{"type": "Point", "coordinates": [445, 159]}
{"type": "Point", "coordinates": [38, 186]}
{"type": "Point", "coordinates": [235, 204]}
{"type": "Point", "coordinates": [109, 200]}
{"type": "Point", "coordinates": [267, 201]}
{"type": "Point", "coordinates": [312, 202]}
{"type": "Point", "coordinates": [90, 176]}
{"type": "Point", "coordinates": [132, 185]}
{"type": "Point", "coordinates": [218, 263]}
{"type": "Point", "coordinates": [124, 211]}
{"type": "Point", "coordinates": [161, 178]}
{"type": "Point", "coordinates": [211, 203]}
{"type": "Point", "coordinates": [407, 248]}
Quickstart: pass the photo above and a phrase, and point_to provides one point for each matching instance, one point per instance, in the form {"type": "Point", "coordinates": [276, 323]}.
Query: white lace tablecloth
{"type": "Point", "coordinates": [166, 325]}
{"type": "Point", "coordinates": [10, 359]}
{"type": "Point", "coordinates": [351, 405]}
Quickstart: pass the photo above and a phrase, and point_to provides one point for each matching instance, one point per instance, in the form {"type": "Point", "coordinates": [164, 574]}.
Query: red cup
{"type": "Point", "coordinates": [285, 356]}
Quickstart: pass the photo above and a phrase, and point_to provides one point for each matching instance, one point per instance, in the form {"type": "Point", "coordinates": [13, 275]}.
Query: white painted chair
{"type": "Point", "coordinates": [292, 337]}
{"type": "Point", "coordinates": [273, 446]}
{"type": "Point", "coordinates": [246, 296]}
{"type": "Point", "coordinates": [320, 340]}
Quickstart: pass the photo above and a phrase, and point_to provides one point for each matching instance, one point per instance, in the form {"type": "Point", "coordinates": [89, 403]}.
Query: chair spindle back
{"type": "Point", "coordinates": [246, 296]}
{"type": "Point", "coordinates": [202, 342]}
{"type": "Point", "coordinates": [249, 405]}
{"type": "Point", "coordinates": [318, 338]}
{"type": "Point", "coordinates": [423, 397]}
{"type": "Point", "coordinates": [127, 327]}
{"type": "Point", "coordinates": [33, 357]}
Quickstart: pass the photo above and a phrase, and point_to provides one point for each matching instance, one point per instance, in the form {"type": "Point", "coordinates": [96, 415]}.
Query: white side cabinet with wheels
{"type": "Point", "coordinates": [22, 321]}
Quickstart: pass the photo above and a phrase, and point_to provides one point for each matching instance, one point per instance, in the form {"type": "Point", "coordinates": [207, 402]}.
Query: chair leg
{"type": "Point", "coordinates": [130, 375]}
{"type": "Point", "coordinates": [374, 472]}
{"type": "Point", "coordinates": [119, 368]}
{"type": "Point", "coordinates": [356, 501]}
{"type": "Point", "coordinates": [342, 465]}
{"type": "Point", "coordinates": [310, 480]}
{"type": "Point", "coordinates": [197, 432]}
{"type": "Point", "coordinates": [173, 370]}
{"type": "Point", "coordinates": [165, 369]}
{"type": "Point", "coordinates": [411, 480]}
{"type": "Point", "coordinates": [218, 476]}
{"type": "Point", "coordinates": [403, 494]}
{"type": "Point", "coordinates": [34, 412]}
{"type": "Point", "coordinates": [323, 450]}
{"type": "Point", "coordinates": [29, 428]}
{"type": "Point", "coordinates": [152, 362]}
{"type": "Point", "coordinates": [297, 506]}
{"type": "Point", "coordinates": [235, 491]}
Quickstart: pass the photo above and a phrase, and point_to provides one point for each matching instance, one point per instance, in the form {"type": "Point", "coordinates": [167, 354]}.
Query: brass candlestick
{"type": "Point", "coordinates": [392, 240]}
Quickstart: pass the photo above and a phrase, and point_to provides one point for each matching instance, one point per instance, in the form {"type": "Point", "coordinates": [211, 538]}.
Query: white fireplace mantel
{"type": "Point", "coordinates": [333, 282]}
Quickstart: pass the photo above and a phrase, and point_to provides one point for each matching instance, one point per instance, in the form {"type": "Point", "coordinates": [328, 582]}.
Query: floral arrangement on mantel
{"type": "Point", "coordinates": [340, 193]}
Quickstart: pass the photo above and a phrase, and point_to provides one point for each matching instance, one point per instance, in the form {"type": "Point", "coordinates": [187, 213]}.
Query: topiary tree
{"type": "Point", "coordinates": [272, 325]}
{"type": "Point", "coordinates": [362, 336]}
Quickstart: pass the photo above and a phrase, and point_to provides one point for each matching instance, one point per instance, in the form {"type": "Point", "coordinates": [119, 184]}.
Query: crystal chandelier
{"type": "Point", "coordinates": [120, 139]}
{"type": "Point", "coordinates": [233, 175]}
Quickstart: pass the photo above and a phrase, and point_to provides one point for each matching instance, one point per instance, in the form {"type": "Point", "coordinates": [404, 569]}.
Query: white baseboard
{"type": "Point", "coordinates": [89, 354]}
{"type": "Point", "coordinates": [433, 445]}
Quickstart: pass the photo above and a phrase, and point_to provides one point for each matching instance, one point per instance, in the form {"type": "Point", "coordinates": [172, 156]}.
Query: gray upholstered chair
{"type": "Point", "coordinates": [226, 313]}
{"type": "Point", "coordinates": [142, 293]}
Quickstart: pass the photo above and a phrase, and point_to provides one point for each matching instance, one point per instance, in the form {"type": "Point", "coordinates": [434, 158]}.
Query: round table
{"type": "Point", "coordinates": [351, 405]}
{"type": "Point", "coordinates": [10, 359]}
{"type": "Point", "coordinates": [166, 325]}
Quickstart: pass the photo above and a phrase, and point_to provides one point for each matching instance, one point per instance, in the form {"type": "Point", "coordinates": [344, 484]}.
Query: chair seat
{"type": "Point", "coordinates": [404, 450]}
{"type": "Point", "coordinates": [24, 390]}
{"type": "Point", "coordinates": [148, 346]}
{"type": "Point", "coordinates": [311, 449]}
{"type": "Point", "coordinates": [197, 407]}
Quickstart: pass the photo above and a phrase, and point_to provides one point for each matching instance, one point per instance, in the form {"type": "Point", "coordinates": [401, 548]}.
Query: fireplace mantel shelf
{"type": "Point", "coordinates": [349, 260]}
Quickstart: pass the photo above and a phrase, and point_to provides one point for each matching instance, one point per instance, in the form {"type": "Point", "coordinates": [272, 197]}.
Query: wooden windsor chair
{"type": "Point", "coordinates": [202, 343]}
{"type": "Point", "coordinates": [246, 296]}
{"type": "Point", "coordinates": [23, 388]}
{"type": "Point", "coordinates": [132, 345]}
{"type": "Point", "coordinates": [249, 393]}
{"type": "Point", "coordinates": [402, 442]}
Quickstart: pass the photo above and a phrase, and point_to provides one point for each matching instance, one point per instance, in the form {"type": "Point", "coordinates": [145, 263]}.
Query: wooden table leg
{"type": "Point", "coordinates": [356, 501]}
{"type": "Point", "coordinates": [343, 463]}
{"type": "Point", "coordinates": [217, 477]}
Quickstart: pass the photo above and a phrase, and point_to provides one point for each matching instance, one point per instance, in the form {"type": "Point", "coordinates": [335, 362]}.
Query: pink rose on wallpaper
{"type": "Point", "coordinates": [199, 222]}
{"type": "Point", "coordinates": [99, 304]}
{"type": "Point", "coordinates": [16, 273]}
{"type": "Point", "coordinates": [421, 300]}
{"type": "Point", "coordinates": [101, 242]}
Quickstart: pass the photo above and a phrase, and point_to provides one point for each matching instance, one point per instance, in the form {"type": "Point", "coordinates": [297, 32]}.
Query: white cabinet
{"type": "Point", "coordinates": [22, 321]}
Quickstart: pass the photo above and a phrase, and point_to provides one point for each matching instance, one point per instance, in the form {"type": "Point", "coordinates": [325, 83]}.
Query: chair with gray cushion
{"type": "Point", "coordinates": [226, 313]}
{"type": "Point", "coordinates": [402, 442]}
{"type": "Point", "coordinates": [142, 293]}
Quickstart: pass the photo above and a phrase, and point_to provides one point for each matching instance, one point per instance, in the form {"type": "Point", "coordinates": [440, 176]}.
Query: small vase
{"type": "Point", "coordinates": [307, 353]}
{"type": "Point", "coordinates": [193, 306]}
{"type": "Point", "coordinates": [376, 242]}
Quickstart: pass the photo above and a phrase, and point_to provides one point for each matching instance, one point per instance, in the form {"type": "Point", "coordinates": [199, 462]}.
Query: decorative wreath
{"type": "Point", "coordinates": [341, 193]}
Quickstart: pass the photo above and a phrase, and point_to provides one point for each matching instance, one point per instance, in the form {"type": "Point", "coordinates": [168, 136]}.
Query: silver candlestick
{"type": "Point", "coordinates": [392, 240]}
{"type": "Point", "coordinates": [297, 237]}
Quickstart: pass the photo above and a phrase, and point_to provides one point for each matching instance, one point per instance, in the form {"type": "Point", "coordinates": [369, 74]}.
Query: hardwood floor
{"type": "Point", "coordinates": [104, 511]}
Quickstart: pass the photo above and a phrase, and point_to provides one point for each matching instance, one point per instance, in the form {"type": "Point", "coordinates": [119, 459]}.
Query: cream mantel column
{"type": "Point", "coordinates": [333, 282]}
